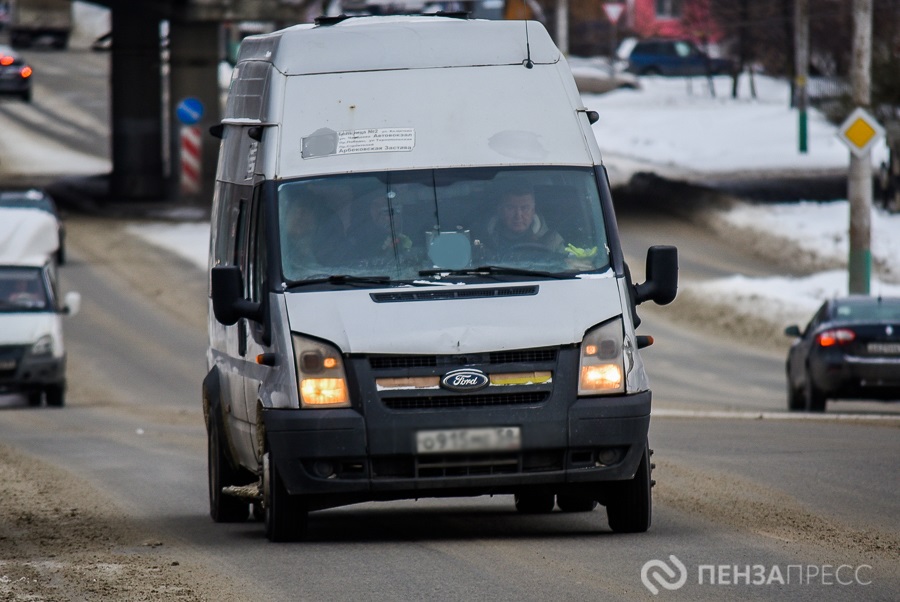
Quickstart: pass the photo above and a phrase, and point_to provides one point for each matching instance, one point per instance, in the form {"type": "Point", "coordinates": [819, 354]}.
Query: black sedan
{"type": "Point", "coordinates": [849, 350]}
{"type": "Point", "coordinates": [15, 74]}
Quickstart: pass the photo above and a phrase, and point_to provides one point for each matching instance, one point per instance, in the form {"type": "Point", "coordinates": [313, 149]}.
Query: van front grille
{"type": "Point", "coordinates": [465, 401]}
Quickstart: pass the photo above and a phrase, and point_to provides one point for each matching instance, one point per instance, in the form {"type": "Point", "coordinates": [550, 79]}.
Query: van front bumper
{"type": "Point", "coordinates": [21, 372]}
{"type": "Point", "coordinates": [320, 453]}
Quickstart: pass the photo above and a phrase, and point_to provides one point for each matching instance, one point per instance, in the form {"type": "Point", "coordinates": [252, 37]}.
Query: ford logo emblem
{"type": "Point", "coordinates": [465, 380]}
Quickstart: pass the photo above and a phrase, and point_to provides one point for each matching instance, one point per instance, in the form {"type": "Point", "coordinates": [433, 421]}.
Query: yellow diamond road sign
{"type": "Point", "coordinates": [860, 131]}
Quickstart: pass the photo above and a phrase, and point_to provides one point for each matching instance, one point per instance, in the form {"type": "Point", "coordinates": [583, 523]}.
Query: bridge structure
{"type": "Point", "coordinates": [142, 169]}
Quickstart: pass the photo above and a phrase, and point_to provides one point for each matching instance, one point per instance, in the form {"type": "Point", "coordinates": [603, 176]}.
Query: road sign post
{"type": "Point", "coordinates": [189, 112]}
{"type": "Point", "coordinates": [613, 12]}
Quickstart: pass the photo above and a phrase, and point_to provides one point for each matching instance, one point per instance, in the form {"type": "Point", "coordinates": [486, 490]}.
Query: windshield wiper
{"type": "Point", "coordinates": [342, 279]}
{"type": "Point", "coordinates": [493, 270]}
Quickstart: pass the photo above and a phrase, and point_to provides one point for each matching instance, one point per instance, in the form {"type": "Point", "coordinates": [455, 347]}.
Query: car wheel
{"type": "Point", "coordinates": [222, 508]}
{"type": "Point", "coordinates": [534, 503]}
{"type": "Point", "coordinates": [651, 71]}
{"type": "Point", "coordinates": [34, 398]}
{"type": "Point", "coordinates": [286, 515]}
{"type": "Point", "coordinates": [56, 396]}
{"type": "Point", "coordinates": [575, 503]}
{"type": "Point", "coordinates": [795, 400]}
{"type": "Point", "coordinates": [630, 507]}
{"type": "Point", "coordinates": [814, 398]}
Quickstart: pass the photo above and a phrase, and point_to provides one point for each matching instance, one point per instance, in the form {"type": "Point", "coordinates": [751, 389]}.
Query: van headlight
{"type": "Point", "coordinates": [602, 369]}
{"type": "Point", "coordinates": [320, 374]}
{"type": "Point", "coordinates": [43, 346]}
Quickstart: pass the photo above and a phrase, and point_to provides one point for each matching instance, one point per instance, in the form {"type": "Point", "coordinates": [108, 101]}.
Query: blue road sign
{"type": "Point", "coordinates": [189, 111]}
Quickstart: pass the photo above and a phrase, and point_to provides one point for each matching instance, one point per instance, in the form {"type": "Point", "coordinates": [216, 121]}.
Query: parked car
{"type": "Point", "coordinates": [15, 74]}
{"type": "Point", "coordinates": [674, 57]}
{"type": "Point", "coordinates": [40, 200]}
{"type": "Point", "coordinates": [849, 350]}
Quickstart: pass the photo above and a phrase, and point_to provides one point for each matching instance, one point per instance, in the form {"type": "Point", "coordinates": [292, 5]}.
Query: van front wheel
{"type": "Point", "coordinates": [286, 515]}
{"type": "Point", "coordinates": [630, 508]}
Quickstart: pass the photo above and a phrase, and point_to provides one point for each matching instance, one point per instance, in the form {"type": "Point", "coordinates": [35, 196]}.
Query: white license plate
{"type": "Point", "coordinates": [500, 438]}
{"type": "Point", "coordinates": [884, 348]}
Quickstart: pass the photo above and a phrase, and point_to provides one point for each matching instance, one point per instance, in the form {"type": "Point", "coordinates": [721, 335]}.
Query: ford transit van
{"type": "Point", "coordinates": [417, 287]}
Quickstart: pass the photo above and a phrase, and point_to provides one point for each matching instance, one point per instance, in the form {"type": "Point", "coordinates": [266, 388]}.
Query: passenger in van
{"type": "Point", "coordinates": [299, 240]}
{"type": "Point", "coordinates": [26, 293]}
{"type": "Point", "coordinates": [379, 235]}
{"type": "Point", "coordinates": [517, 224]}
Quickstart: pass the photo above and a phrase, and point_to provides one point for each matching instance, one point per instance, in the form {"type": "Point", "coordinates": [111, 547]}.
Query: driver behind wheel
{"type": "Point", "coordinates": [517, 224]}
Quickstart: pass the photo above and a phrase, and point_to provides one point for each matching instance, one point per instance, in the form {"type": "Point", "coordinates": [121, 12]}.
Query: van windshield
{"type": "Point", "coordinates": [22, 290]}
{"type": "Point", "coordinates": [414, 224]}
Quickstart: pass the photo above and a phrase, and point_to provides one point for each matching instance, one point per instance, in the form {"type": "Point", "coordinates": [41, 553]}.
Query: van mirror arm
{"type": "Point", "coordinates": [661, 285]}
{"type": "Point", "coordinates": [229, 304]}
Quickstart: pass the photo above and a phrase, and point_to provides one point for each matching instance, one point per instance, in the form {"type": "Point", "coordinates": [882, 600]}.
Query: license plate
{"type": "Point", "coordinates": [884, 348]}
{"type": "Point", "coordinates": [500, 438]}
{"type": "Point", "coordinates": [7, 364]}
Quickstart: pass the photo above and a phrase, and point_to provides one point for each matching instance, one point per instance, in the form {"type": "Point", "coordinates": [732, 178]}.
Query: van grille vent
{"type": "Point", "coordinates": [465, 401]}
{"type": "Point", "coordinates": [467, 293]}
{"type": "Point", "coordinates": [388, 362]}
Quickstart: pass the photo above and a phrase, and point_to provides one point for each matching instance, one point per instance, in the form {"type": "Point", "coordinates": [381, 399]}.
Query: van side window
{"type": "Point", "coordinates": [256, 250]}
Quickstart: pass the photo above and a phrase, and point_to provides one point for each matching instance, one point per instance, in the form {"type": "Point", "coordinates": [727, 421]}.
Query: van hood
{"type": "Point", "coordinates": [26, 328]}
{"type": "Point", "coordinates": [539, 314]}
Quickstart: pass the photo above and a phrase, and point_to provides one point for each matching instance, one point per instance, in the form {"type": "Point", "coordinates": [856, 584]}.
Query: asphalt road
{"type": "Point", "coordinates": [753, 508]}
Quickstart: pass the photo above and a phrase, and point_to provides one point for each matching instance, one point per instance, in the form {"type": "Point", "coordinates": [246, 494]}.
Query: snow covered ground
{"type": "Point", "coordinates": [674, 127]}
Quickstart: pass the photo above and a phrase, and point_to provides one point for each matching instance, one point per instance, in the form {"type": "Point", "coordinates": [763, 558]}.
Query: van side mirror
{"type": "Point", "coordinates": [661, 285]}
{"type": "Point", "coordinates": [229, 304]}
{"type": "Point", "coordinates": [71, 303]}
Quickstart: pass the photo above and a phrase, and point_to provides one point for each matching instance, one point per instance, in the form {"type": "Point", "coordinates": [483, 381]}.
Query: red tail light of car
{"type": "Point", "coordinates": [25, 72]}
{"type": "Point", "coordinates": [838, 336]}
{"type": "Point", "coordinates": [6, 60]}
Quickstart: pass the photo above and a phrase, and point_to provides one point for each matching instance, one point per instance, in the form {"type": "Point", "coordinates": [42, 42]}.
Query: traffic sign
{"type": "Point", "coordinates": [860, 131]}
{"type": "Point", "coordinates": [189, 110]}
{"type": "Point", "coordinates": [613, 11]}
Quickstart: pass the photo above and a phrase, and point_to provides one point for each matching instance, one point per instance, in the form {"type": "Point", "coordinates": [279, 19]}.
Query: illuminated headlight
{"type": "Point", "coordinates": [602, 368]}
{"type": "Point", "coordinates": [320, 374]}
{"type": "Point", "coordinates": [43, 346]}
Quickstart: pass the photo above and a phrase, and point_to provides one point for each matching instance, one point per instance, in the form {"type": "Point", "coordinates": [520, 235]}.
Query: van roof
{"type": "Point", "coordinates": [27, 237]}
{"type": "Point", "coordinates": [400, 42]}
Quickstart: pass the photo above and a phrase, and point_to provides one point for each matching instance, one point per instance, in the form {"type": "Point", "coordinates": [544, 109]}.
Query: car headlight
{"type": "Point", "coordinates": [43, 346]}
{"type": "Point", "coordinates": [320, 374]}
{"type": "Point", "coordinates": [602, 369]}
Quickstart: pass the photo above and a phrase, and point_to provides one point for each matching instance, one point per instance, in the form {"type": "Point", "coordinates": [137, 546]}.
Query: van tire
{"type": "Point", "coordinates": [56, 396]}
{"type": "Point", "coordinates": [222, 508]}
{"type": "Point", "coordinates": [630, 506]}
{"type": "Point", "coordinates": [286, 515]}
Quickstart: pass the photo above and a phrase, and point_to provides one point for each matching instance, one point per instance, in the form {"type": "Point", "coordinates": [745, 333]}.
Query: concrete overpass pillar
{"type": "Point", "coordinates": [136, 87]}
{"type": "Point", "coordinates": [195, 49]}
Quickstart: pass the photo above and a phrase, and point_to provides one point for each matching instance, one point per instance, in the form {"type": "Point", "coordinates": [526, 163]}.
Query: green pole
{"type": "Point", "coordinates": [802, 132]}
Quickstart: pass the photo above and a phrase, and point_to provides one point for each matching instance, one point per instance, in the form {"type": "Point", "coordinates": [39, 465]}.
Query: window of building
{"type": "Point", "coordinates": [668, 9]}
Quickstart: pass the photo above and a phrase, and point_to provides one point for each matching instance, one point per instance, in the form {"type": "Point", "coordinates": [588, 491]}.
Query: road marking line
{"type": "Point", "coordinates": [720, 414]}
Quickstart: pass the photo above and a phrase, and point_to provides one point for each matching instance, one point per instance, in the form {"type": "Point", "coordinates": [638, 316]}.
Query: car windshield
{"type": "Point", "coordinates": [22, 289]}
{"type": "Point", "coordinates": [517, 222]}
{"type": "Point", "coordinates": [874, 309]}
